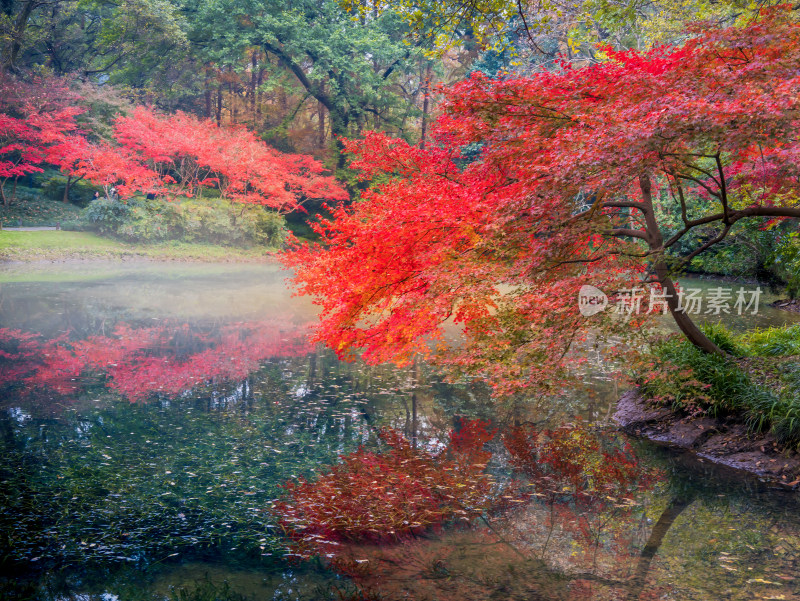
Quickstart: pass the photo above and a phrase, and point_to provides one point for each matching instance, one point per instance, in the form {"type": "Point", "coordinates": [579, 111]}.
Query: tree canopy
{"type": "Point", "coordinates": [563, 194]}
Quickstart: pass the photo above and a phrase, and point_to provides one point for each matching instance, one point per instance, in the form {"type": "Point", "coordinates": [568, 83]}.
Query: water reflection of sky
{"type": "Point", "coordinates": [150, 415]}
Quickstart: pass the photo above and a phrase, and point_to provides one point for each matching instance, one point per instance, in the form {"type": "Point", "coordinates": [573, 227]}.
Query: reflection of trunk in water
{"type": "Point", "coordinates": [636, 583]}
{"type": "Point", "coordinates": [414, 383]}
{"type": "Point", "coordinates": [674, 509]}
{"type": "Point", "coordinates": [312, 369]}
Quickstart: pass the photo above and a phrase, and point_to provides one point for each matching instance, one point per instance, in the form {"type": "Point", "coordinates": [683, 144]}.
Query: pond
{"type": "Point", "coordinates": [150, 415]}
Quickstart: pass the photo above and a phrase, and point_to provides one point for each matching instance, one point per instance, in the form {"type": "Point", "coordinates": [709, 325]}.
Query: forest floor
{"type": "Point", "coordinates": [64, 245]}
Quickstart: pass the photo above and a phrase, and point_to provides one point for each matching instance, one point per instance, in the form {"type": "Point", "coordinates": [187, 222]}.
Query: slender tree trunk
{"type": "Point", "coordinates": [283, 101]}
{"type": "Point", "coordinates": [207, 94]}
{"type": "Point", "coordinates": [338, 114]}
{"type": "Point", "coordinates": [656, 243]}
{"type": "Point", "coordinates": [253, 80]}
{"type": "Point", "coordinates": [219, 106]}
{"type": "Point", "coordinates": [258, 92]}
{"type": "Point", "coordinates": [65, 198]}
{"type": "Point", "coordinates": [321, 115]}
{"type": "Point", "coordinates": [425, 101]}
{"type": "Point", "coordinates": [231, 103]}
{"type": "Point", "coordinates": [21, 23]}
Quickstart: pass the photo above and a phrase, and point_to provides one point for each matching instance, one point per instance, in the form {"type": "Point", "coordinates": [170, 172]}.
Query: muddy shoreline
{"type": "Point", "coordinates": [721, 441]}
{"type": "Point", "coordinates": [787, 305]}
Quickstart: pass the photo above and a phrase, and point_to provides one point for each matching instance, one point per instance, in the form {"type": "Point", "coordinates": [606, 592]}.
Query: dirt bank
{"type": "Point", "coordinates": [787, 305]}
{"type": "Point", "coordinates": [719, 440]}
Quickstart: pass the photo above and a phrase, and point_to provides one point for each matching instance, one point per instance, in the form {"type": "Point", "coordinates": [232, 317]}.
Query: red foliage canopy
{"type": "Point", "coordinates": [34, 119]}
{"type": "Point", "coordinates": [560, 195]}
{"type": "Point", "coordinates": [187, 154]}
{"type": "Point", "coordinates": [151, 153]}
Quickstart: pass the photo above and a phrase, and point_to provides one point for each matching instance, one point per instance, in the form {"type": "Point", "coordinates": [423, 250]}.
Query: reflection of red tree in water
{"type": "Point", "coordinates": [361, 514]}
{"type": "Point", "coordinates": [388, 496]}
{"type": "Point", "coordinates": [589, 482]}
{"type": "Point", "coordinates": [139, 361]}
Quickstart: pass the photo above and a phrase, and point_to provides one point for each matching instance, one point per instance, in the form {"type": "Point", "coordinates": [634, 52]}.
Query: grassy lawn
{"type": "Point", "coordinates": [56, 245]}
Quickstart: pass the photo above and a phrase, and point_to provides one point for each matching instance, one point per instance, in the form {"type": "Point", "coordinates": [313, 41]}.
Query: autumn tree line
{"type": "Point", "coordinates": [302, 78]}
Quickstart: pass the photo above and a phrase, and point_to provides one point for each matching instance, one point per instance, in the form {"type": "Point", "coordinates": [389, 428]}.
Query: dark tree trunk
{"type": "Point", "coordinates": [219, 106]}
{"type": "Point", "coordinates": [20, 25]}
{"type": "Point", "coordinates": [232, 97]}
{"type": "Point", "coordinates": [321, 115]}
{"type": "Point", "coordinates": [253, 83]}
{"type": "Point", "coordinates": [207, 95]}
{"type": "Point", "coordinates": [425, 102]}
{"type": "Point", "coordinates": [258, 92]}
{"type": "Point", "coordinates": [65, 198]}
{"type": "Point", "coordinates": [656, 243]}
{"type": "Point", "coordinates": [339, 117]}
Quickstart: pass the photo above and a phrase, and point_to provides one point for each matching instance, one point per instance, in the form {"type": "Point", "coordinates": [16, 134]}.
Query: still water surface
{"type": "Point", "coordinates": [149, 415]}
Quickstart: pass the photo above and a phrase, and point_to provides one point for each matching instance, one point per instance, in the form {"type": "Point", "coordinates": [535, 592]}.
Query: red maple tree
{"type": "Point", "coordinates": [35, 119]}
{"type": "Point", "coordinates": [188, 154]}
{"type": "Point", "coordinates": [150, 153]}
{"type": "Point", "coordinates": [558, 190]}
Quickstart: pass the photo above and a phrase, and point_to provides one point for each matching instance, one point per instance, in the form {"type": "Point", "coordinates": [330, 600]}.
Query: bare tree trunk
{"type": "Point", "coordinates": [207, 94]}
{"type": "Point", "coordinates": [253, 82]}
{"type": "Point", "coordinates": [321, 115]}
{"type": "Point", "coordinates": [233, 107]}
{"type": "Point", "coordinates": [21, 23]}
{"type": "Point", "coordinates": [65, 198]}
{"type": "Point", "coordinates": [258, 93]}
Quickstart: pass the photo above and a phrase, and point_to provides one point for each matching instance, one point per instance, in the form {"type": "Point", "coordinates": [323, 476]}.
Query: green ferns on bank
{"type": "Point", "coordinates": [758, 380]}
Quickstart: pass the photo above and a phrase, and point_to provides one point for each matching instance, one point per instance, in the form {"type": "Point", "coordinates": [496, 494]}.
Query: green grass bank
{"type": "Point", "coordinates": [757, 382]}
{"type": "Point", "coordinates": [65, 245]}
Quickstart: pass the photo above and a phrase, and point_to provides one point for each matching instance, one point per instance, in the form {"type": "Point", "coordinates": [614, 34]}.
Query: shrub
{"type": "Point", "coordinates": [77, 225]}
{"type": "Point", "coordinates": [211, 220]}
{"type": "Point", "coordinates": [144, 224]}
{"type": "Point", "coordinates": [271, 228]}
{"type": "Point", "coordinates": [786, 263]}
{"type": "Point", "coordinates": [107, 215]}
